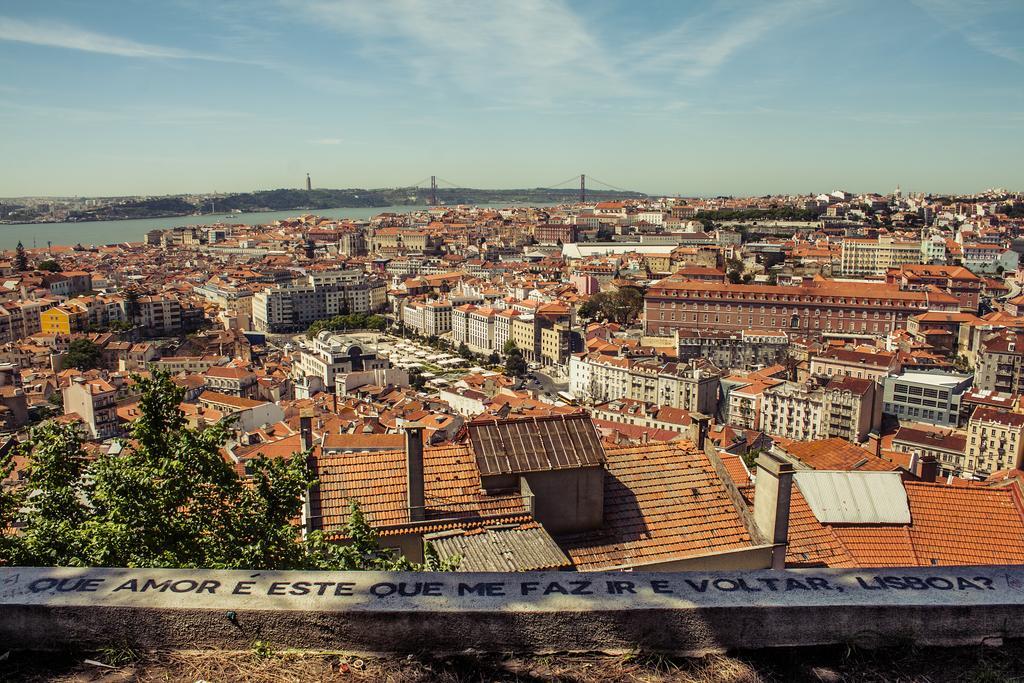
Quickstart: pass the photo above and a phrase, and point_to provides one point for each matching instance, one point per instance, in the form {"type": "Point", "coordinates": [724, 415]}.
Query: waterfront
{"type": "Point", "coordinates": [134, 230]}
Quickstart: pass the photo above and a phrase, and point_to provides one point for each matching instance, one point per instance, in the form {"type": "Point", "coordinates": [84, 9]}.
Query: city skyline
{"type": "Point", "coordinates": [715, 98]}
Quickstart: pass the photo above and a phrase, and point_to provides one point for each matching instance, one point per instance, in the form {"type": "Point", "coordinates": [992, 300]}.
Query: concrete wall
{"type": "Point", "coordinates": [568, 500]}
{"type": "Point", "coordinates": [685, 613]}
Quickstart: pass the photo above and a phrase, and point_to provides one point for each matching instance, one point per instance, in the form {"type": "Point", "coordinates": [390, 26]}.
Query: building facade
{"type": "Point", "coordinates": [816, 309]}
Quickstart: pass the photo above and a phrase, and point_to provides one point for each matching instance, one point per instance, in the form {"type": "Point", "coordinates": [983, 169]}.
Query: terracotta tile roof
{"type": "Point", "coordinates": [950, 525]}
{"type": "Point", "coordinates": [355, 442]}
{"type": "Point", "coordinates": [736, 468]}
{"type": "Point", "coordinates": [377, 482]}
{"type": "Point", "coordinates": [661, 502]}
{"type": "Point", "coordinates": [837, 454]}
{"type": "Point", "coordinates": [957, 525]}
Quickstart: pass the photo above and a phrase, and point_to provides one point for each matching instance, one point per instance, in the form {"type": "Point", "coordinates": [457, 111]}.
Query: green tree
{"type": "Point", "coordinates": [20, 258]}
{"type": "Point", "coordinates": [416, 379]}
{"type": "Point", "coordinates": [10, 504]}
{"type": "Point", "coordinates": [48, 265]}
{"type": "Point", "coordinates": [83, 354]}
{"type": "Point", "coordinates": [169, 500]}
{"type": "Point", "coordinates": [54, 531]}
{"type": "Point", "coordinates": [515, 364]}
{"type": "Point", "coordinates": [625, 305]}
{"type": "Point", "coordinates": [131, 305]}
{"type": "Point", "coordinates": [591, 308]}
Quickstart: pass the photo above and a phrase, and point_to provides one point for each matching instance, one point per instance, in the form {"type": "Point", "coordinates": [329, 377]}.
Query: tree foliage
{"type": "Point", "coordinates": [169, 499]}
{"type": "Point", "coordinates": [781, 213]}
{"type": "Point", "coordinates": [20, 258]}
{"type": "Point", "coordinates": [515, 364]}
{"type": "Point", "coordinates": [83, 354]}
{"type": "Point", "coordinates": [622, 306]}
{"type": "Point", "coordinates": [353, 321]}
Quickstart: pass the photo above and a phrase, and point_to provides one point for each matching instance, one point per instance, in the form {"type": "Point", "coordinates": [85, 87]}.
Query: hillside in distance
{"type": "Point", "coordinates": [288, 199]}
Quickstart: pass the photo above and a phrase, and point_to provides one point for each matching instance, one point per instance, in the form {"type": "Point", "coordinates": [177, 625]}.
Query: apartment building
{"type": "Point", "coordinates": [876, 256]}
{"type": "Point", "coordinates": [956, 280]}
{"type": "Point", "coordinates": [63, 319]}
{"type": "Point", "coordinates": [503, 327]}
{"type": "Point", "coordinates": [231, 381]}
{"type": "Point", "coordinates": [525, 334]}
{"type": "Point", "coordinates": [930, 397]}
{"type": "Point", "coordinates": [20, 319]}
{"type": "Point", "coordinates": [460, 323]}
{"type": "Point", "coordinates": [815, 309]}
{"type": "Point", "coordinates": [292, 307]}
{"type": "Point", "coordinates": [995, 442]}
{"type": "Point", "coordinates": [158, 315]}
{"type": "Point", "coordinates": [93, 400]}
{"type": "Point", "coordinates": [846, 407]}
{"type": "Point", "coordinates": [989, 259]}
{"type": "Point", "coordinates": [690, 385]}
{"type": "Point", "coordinates": [940, 329]}
{"type": "Point", "coordinates": [742, 349]}
{"type": "Point", "coordinates": [744, 407]}
{"type": "Point", "coordinates": [949, 448]}
{"type": "Point", "coordinates": [236, 301]}
{"type": "Point", "coordinates": [1000, 362]}
{"type": "Point", "coordinates": [561, 233]}
{"type": "Point", "coordinates": [875, 366]}
{"type": "Point", "coordinates": [794, 411]}
{"type": "Point", "coordinates": [428, 318]}
{"type": "Point", "coordinates": [480, 329]}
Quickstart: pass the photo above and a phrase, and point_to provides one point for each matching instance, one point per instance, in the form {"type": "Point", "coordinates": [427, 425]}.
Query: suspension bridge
{"type": "Point", "coordinates": [436, 182]}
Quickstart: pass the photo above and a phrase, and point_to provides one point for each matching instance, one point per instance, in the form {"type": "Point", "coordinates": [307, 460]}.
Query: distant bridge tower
{"type": "Point", "coordinates": [309, 183]}
{"type": "Point", "coordinates": [433, 190]}
{"type": "Point", "coordinates": [583, 188]}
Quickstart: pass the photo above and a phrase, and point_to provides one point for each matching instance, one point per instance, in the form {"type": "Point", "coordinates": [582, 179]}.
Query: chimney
{"type": "Point", "coordinates": [414, 470]}
{"type": "Point", "coordinates": [701, 427]}
{"type": "Point", "coordinates": [928, 468]}
{"type": "Point", "coordinates": [772, 489]}
{"type": "Point", "coordinates": [306, 428]}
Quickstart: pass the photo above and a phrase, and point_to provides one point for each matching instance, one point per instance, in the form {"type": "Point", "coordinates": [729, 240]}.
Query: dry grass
{"type": "Point", "coordinates": [980, 665]}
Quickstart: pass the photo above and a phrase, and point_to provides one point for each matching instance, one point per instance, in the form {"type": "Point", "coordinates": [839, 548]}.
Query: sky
{"type": "Point", "coordinates": [695, 97]}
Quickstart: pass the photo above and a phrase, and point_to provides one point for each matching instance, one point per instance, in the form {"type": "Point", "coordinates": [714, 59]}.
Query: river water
{"type": "Point", "coordinates": [110, 232]}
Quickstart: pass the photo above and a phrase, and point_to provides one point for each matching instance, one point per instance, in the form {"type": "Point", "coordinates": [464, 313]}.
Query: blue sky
{"type": "Point", "coordinates": [710, 97]}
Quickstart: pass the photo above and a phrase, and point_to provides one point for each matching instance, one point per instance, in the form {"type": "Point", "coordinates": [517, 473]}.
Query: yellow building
{"type": "Point", "coordinates": [62, 320]}
{"type": "Point", "coordinates": [525, 335]}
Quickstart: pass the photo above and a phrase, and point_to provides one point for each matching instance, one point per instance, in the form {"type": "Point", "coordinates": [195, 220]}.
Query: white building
{"type": "Point", "coordinates": [876, 256]}
{"type": "Point", "coordinates": [329, 357]}
{"type": "Point", "coordinates": [428, 318]}
{"type": "Point", "coordinates": [481, 329]}
{"type": "Point", "coordinates": [318, 296]}
{"type": "Point", "coordinates": [691, 386]}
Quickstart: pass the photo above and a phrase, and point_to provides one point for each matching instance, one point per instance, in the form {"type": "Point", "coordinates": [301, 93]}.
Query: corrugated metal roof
{"type": "Point", "coordinates": [535, 444]}
{"type": "Point", "coordinates": [517, 549]}
{"type": "Point", "coordinates": [855, 497]}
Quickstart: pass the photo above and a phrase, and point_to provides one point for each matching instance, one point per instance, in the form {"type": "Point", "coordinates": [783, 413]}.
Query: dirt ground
{"type": "Point", "coordinates": [832, 664]}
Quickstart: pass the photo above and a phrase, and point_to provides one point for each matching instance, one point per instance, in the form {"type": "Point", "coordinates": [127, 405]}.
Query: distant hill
{"type": "Point", "coordinates": [311, 200]}
{"type": "Point", "coordinates": [283, 200]}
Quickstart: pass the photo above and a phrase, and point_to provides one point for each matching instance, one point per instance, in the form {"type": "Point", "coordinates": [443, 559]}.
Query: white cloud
{"type": "Point", "coordinates": [55, 34]}
{"type": "Point", "coordinates": [701, 45]}
{"type": "Point", "coordinates": [535, 49]}
{"type": "Point", "coordinates": [978, 22]}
